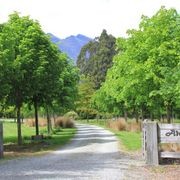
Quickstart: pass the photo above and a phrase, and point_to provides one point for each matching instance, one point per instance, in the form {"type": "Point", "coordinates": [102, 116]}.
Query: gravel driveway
{"type": "Point", "coordinates": [92, 154]}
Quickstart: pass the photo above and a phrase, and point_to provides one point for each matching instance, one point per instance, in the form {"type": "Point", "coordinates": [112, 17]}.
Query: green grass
{"type": "Point", "coordinates": [131, 141]}
{"type": "Point", "coordinates": [10, 131]}
{"type": "Point", "coordinates": [29, 147]}
{"type": "Point", "coordinates": [176, 121]}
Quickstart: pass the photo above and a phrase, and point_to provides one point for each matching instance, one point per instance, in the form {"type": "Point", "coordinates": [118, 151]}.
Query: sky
{"type": "Point", "coordinates": [88, 17]}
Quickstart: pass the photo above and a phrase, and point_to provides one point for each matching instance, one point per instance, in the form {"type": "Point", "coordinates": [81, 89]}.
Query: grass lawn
{"type": "Point", "coordinates": [29, 147]}
{"type": "Point", "coordinates": [131, 141]}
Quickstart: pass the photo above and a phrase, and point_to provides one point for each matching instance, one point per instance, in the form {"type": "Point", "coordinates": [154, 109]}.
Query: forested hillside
{"type": "Point", "coordinates": [96, 57]}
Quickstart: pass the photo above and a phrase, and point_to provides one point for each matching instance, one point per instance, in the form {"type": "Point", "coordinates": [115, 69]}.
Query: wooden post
{"type": "Point", "coordinates": [1, 140]}
{"type": "Point", "coordinates": [152, 157]}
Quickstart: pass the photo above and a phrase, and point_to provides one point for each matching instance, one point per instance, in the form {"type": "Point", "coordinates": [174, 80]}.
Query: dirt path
{"type": "Point", "coordinates": [93, 154]}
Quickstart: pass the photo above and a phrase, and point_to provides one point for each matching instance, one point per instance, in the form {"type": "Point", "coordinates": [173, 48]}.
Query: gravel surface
{"type": "Point", "coordinates": [92, 154]}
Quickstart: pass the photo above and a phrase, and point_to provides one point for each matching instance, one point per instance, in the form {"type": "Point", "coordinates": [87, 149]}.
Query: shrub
{"type": "Point", "coordinates": [71, 114]}
{"type": "Point", "coordinates": [64, 122]}
{"type": "Point", "coordinates": [134, 127]}
{"type": "Point", "coordinates": [119, 124]}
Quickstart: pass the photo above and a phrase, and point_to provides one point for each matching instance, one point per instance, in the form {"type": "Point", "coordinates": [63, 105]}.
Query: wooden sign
{"type": "Point", "coordinates": [169, 133]}
{"type": "Point", "coordinates": [153, 135]}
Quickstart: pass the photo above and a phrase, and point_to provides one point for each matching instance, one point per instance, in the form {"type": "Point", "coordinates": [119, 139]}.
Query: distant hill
{"type": "Point", "coordinates": [71, 45]}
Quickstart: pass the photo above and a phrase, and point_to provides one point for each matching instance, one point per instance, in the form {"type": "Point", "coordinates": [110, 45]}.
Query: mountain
{"type": "Point", "coordinates": [71, 45]}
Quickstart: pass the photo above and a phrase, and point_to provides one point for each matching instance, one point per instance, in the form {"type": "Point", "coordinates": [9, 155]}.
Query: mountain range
{"type": "Point", "coordinates": [71, 45]}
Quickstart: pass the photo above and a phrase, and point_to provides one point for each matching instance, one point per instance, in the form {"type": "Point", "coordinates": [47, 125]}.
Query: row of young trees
{"type": "Point", "coordinates": [33, 70]}
{"type": "Point", "coordinates": [145, 77]}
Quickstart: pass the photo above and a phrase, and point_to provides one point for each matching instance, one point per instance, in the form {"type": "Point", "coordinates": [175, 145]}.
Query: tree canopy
{"type": "Point", "coordinates": [145, 75]}
{"type": "Point", "coordinates": [33, 70]}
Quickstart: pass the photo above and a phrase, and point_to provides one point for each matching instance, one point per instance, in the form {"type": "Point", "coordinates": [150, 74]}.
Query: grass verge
{"type": "Point", "coordinates": [29, 147]}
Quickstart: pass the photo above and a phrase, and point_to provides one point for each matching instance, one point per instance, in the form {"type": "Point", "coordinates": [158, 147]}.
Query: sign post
{"type": "Point", "coordinates": [152, 157]}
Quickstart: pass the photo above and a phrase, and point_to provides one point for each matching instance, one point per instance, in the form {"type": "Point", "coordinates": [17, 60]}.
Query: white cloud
{"type": "Point", "coordinates": [88, 17]}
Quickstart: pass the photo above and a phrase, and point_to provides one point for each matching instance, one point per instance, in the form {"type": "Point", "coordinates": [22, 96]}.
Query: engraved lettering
{"type": "Point", "coordinates": [173, 133]}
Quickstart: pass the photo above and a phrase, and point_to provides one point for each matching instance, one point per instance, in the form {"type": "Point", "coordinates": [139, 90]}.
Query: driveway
{"type": "Point", "coordinates": [92, 154]}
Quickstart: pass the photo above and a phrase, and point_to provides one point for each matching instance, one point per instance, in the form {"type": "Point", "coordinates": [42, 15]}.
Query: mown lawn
{"type": "Point", "coordinates": [30, 147]}
{"type": "Point", "coordinates": [10, 132]}
{"type": "Point", "coordinates": [131, 141]}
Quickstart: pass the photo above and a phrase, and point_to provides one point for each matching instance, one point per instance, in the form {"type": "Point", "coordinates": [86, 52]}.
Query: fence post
{"type": "Point", "coordinates": [152, 156]}
{"type": "Point", "coordinates": [1, 139]}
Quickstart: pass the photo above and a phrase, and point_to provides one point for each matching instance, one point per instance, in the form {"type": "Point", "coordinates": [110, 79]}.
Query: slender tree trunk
{"type": "Point", "coordinates": [151, 116]}
{"type": "Point", "coordinates": [168, 111]}
{"type": "Point", "coordinates": [142, 113]}
{"type": "Point", "coordinates": [19, 125]}
{"type": "Point", "coordinates": [125, 114]}
{"type": "Point", "coordinates": [49, 127]}
{"type": "Point", "coordinates": [54, 119]}
{"type": "Point", "coordinates": [137, 117]}
{"type": "Point", "coordinates": [36, 116]}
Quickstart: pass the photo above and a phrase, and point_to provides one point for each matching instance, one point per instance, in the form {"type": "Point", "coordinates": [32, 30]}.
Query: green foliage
{"type": "Point", "coordinates": [145, 75]}
{"type": "Point", "coordinates": [87, 113]}
{"type": "Point", "coordinates": [85, 92]}
{"type": "Point", "coordinates": [34, 71]}
{"type": "Point", "coordinates": [83, 103]}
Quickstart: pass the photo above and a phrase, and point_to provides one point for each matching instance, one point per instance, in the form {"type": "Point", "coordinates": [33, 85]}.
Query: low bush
{"type": "Point", "coordinates": [72, 114]}
{"type": "Point", "coordinates": [64, 122]}
{"type": "Point", "coordinates": [119, 124]}
{"type": "Point", "coordinates": [134, 126]}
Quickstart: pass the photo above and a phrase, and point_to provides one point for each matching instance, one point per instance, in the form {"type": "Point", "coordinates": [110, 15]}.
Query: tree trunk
{"type": "Point", "coordinates": [168, 111]}
{"type": "Point", "coordinates": [54, 119]}
{"type": "Point", "coordinates": [49, 127]}
{"type": "Point", "coordinates": [142, 113]}
{"type": "Point", "coordinates": [151, 116]}
{"type": "Point", "coordinates": [19, 125]}
{"type": "Point", "coordinates": [36, 116]}
{"type": "Point", "coordinates": [137, 117]}
{"type": "Point", "coordinates": [125, 114]}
